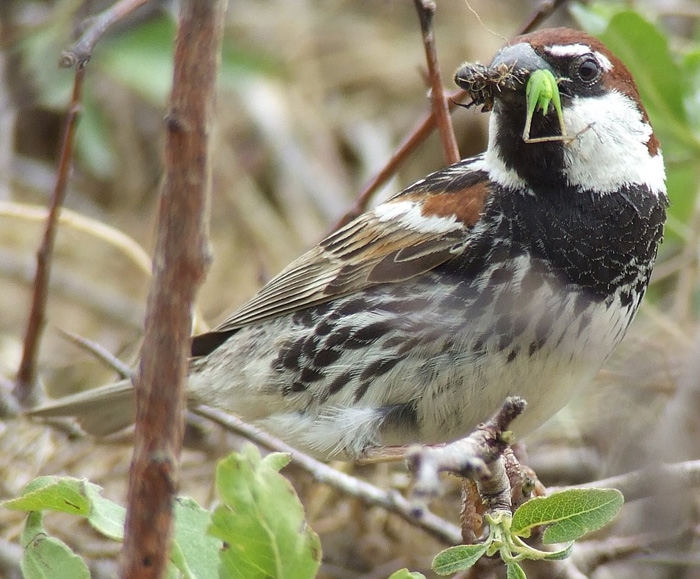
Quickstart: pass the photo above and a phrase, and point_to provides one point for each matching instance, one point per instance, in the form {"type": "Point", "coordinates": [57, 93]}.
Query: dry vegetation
{"type": "Point", "coordinates": [314, 98]}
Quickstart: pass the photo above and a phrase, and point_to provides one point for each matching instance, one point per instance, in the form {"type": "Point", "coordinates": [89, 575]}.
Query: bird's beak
{"type": "Point", "coordinates": [521, 59]}
{"type": "Point", "coordinates": [505, 79]}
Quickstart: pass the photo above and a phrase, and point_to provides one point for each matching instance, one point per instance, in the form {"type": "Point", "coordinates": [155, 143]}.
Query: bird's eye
{"type": "Point", "coordinates": [587, 70]}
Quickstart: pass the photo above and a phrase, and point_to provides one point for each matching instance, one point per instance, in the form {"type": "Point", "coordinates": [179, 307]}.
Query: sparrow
{"type": "Point", "coordinates": [515, 272]}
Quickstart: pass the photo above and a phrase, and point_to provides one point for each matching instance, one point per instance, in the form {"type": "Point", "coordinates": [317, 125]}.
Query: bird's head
{"type": "Point", "coordinates": [566, 113]}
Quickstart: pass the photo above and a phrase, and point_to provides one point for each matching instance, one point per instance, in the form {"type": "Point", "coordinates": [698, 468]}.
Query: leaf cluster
{"type": "Point", "coordinates": [257, 531]}
{"type": "Point", "coordinates": [567, 516]}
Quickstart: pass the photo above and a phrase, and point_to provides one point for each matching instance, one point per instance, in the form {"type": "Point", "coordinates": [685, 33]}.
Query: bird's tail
{"type": "Point", "coordinates": [99, 411]}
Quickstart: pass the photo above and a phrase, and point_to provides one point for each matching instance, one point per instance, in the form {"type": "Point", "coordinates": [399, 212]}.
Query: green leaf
{"type": "Point", "coordinates": [670, 90]}
{"type": "Point", "coordinates": [277, 460]}
{"type": "Point", "coordinates": [564, 553]}
{"type": "Point", "coordinates": [594, 17]}
{"type": "Point", "coordinates": [194, 553]}
{"type": "Point", "coordinates": [38, 53]}
{"type": "Point", "coordinates": [690, 67]}
{"type": "Point", "coordinates": [63, 494]}
{"type": "Point", "coordinates": [515, 571]}
{"type": "Point", "coordinates": [106, 517]}
{"type": "Point", "coordinates": [683, 181]}
{"type": "Point", "coordinates": [571, 513]}
{"type": "Point", "coordinates": [458, 558]}
{"type": "Point", "coordinates": [239, 63]}
{"type": "Point", "coordinates": [178, 564]}
{"type": "Point", "coordinates": [645, 51]}
{"type": "Point", "coordinates": [47, 557]}
{"type": "Point", "coordinates": [92, 140]}
{"type": "Point", "coordinates": [142, 58]}
{"type": "Point", "coordinates": [172, 572]}
{"type": "Point", "coordinates": [406, 574]}
{"type": "Point", "coordinates": [74, 496]}
{"type": "Point", "coordinates": [197, 552]}
{"type": "Point", "coordinates": [261, 521]}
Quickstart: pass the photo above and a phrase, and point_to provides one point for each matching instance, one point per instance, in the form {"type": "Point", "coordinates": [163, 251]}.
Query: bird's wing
{"type": "Point", "coordinates": [414, 232]}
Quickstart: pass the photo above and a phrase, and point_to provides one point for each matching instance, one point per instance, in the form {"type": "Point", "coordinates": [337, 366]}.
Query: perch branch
{"type": "Point", "coordinates": [371, 495]}
{"type": "Point", "coordinates": [479, 456]}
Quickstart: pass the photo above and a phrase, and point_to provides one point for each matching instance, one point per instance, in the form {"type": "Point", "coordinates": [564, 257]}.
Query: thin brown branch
{"type": "Point", "coordinates": [541, 13]}
{"type": "Point", "coordinates": [425, 127]}
{"type": "Point", "coordinates": [369, 494]}
{"type": "Point", "coordinates": [94, 29]}
{"type": "Point", "coordinates": [441, 111]}
{"type": "Point", "coordinates": [25, 390]}
{"type": "Point", "coordinates": [405, 149]}
{"type": "Point", "coordinates": [648, 482]}
{"type": "Point", "coordinates": [102, 354]}
{"type": "Point", "coordinates": [590, 555]}
{"type": "Point", "coordinates": [180, 262]}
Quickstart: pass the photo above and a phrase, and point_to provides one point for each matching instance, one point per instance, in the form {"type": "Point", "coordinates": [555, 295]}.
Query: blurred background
{"type": "Point", "coordinates": [314, 96]}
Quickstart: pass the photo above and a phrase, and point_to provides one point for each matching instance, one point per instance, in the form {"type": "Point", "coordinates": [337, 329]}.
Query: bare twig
{"type": "Point", "coordinates": [105, 356]}
{"type": "Point", "coordinates": [647, 482]}
{"type": "Point", "coordinates": [405, 149]}
{"type": "Point", "coordinates": [94, 29]}
{"type": "Point", "coordinates": [425, 127]}
{"type": "Point", "coordinates": [589, 555]}
{"type": "Point", "coordinates": [392, 501]}
{"type": "Point", "coordinates": [25, 390]}
{"type": "Point", "coordinates": [180, 263]}
{"type": "Point", "coordinates": [441, 111]}
{"type": "Point", "coordinates": [113, 306]}
{"type": "Point", "coordinates": [541, 13]}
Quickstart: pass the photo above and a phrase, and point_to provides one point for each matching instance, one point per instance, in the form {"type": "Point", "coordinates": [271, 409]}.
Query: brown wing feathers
{"type": "Point", "coordinates": [390, 244]}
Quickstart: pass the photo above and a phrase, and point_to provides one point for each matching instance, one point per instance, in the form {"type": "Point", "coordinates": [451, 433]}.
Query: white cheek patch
{"type": "Point", "coordinates": [408, 214]}
{"type": "Point", "coordinates": [610, 149]}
